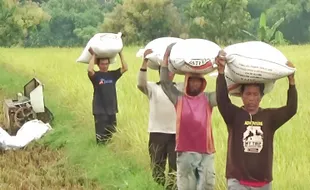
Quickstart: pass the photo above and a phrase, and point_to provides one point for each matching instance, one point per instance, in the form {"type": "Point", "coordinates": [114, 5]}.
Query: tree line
{"type": "Point", "coordinates": [71, 23]}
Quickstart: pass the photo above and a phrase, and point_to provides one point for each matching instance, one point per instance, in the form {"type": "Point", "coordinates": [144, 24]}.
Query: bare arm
{"type": "Point", "coordinates": [167, 85]}
{"type": "Point", "coordinates": [91, 64]}
{"type": "Point", "coordinates": [123, 62]}
{"type": "Point", "coordinates": [142, 78]}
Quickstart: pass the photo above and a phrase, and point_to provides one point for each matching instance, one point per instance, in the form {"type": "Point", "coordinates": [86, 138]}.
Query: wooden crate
{"type": "Point", "coordinates": [9, 110]}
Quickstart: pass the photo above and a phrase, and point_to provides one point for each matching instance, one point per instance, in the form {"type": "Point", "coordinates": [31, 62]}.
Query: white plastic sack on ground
{"type": "Point", "coordinates": [105, 45]}
{"type": "Point", "coordinates": [193, 56]}
{"type": "Point", "coordinates": [254, 62]}
{"type": "Point", "coordinates": [158, 47]}
{"type": "Point", "coordinates": [30, 131]}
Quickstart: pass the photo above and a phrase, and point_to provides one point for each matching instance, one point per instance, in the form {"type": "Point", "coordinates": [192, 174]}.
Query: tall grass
{"type": "Point", "coordinates": [124, 164]}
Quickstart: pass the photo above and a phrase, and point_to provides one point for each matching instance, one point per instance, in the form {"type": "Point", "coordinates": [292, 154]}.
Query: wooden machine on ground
{"type": "Point", "coordinates": [27, 106]}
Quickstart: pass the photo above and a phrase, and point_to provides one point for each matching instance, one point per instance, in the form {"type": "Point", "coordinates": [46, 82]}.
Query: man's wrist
{"type": "Point", "coordinates": [292, 82]}
{"type": "Point", "coordinates": [143, 69]}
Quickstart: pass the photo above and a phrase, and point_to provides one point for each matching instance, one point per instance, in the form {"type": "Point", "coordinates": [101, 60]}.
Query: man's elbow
{"type": "Point", "coordinates": [140, 87]}
{"type": "Point", "coordinates": [124, 69]}
{"type": "Point", "coordinates": [90, 73]}
{"type": "Point", "coordinates": [294, 111]}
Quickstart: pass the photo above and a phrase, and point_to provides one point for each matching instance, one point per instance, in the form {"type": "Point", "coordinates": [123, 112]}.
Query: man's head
{"type": "Point", "coordinates": [251, 95]}
{"type": "Point", "coordinates": [103, 64]}
{"type": "Point", "coordinates": [195, 85]}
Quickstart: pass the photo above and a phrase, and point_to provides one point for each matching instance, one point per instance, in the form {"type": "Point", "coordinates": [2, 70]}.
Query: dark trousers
{"type": "Point", "coordinates": [161, 148]}
{"type": "Point", "coordinates": [105, 126]}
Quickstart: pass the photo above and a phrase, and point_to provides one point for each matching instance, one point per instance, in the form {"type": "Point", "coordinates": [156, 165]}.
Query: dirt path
{"type": "Point", "coordinates": [38, 167]}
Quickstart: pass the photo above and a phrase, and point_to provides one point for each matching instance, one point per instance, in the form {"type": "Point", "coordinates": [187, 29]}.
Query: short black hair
{"type": "Point", "coordinates": [261, 87]}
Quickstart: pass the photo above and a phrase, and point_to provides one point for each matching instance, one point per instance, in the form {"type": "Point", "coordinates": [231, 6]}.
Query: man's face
{"type": "Point", "coordinates": [103, 64]}
{"type": "Point", "coordinates": [194, 85]}
{"type": "Point", "coordinates": [251, 97]}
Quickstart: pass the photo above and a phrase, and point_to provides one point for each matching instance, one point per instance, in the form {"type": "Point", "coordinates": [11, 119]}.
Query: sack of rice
{"type": "Point", "coordinates": [254, 62]}
{"type": "Point", "coordinates": [105, 45]}
{"type": "Point", "coordinates": [193, 56]}
{"type": "Point", "coordinates": [158, 46]}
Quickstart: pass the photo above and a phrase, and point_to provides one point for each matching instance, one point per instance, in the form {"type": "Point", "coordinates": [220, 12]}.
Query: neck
{"type": "Point", "coordinates": [193, 93]}
{"type": "Point", "coordinates": [251, 111]}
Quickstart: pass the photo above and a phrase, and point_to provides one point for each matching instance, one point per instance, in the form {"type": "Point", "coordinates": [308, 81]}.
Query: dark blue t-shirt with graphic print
{"type": "Point", "coordinates": [105, 97]}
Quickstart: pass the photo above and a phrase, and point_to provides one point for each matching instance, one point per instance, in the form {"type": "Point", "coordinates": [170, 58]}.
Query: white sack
{"type": "Point", "coordinates": [193, 56]}
{"type": "Point", "coordinates": [30, 131]}
{"type": "Point", "coordinates": [158, 46]}
{"type": "Point", "coordinates": [105, 45]}
{"type": "Point", "coordinates": [254, 62]}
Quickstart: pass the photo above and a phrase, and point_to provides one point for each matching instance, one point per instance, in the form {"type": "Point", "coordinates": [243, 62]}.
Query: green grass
{"type": "Point", "coordinates": [124, 164]}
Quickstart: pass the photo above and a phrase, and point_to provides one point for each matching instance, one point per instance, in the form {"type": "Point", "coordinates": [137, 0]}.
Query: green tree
{"type": "Point", "coordinates": [269, 35]}
{"type": "Point", "coordinates": [108, 5]}
{"type": "Point", "coordinates": [18, 19]}
{"type": "Point", "coordinates": [29, 15]}
{"type": "Point", "coordinates": [10, 30]}
{"type": "Point", "coordinates": [296, 27]}
{"type": "Point", "coordinates": [72, 23]}
{"type": "Point", "coordinates": [144, 20]}
{"type": "Point", "coordinates": [220, 21]}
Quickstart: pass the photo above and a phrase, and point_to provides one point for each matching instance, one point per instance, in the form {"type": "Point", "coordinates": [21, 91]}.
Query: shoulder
{"type": "Point", "coordinates": [116, 70]}
{"type": "Point", "coordinates": [267, 110]}
{"type": "Point", "coordinates": [93, 75]}
{"type": "Point", "coordinates": [208, 94]}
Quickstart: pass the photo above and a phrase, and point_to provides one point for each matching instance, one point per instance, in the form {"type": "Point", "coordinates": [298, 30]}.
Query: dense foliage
{"type": "Point", "coordinates": [70, 23]}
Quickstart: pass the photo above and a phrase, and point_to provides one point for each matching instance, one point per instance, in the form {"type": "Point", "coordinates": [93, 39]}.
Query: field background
{"type": "Point", "coordinates": [124, 164]}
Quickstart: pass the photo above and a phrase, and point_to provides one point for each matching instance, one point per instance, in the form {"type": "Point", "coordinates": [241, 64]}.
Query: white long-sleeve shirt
{"type": "Point", "coordinates": [162, 114]}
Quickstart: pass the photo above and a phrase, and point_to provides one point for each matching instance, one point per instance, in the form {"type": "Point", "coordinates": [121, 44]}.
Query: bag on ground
{"type": "Point", "coordinates": [193, 56]}
{"type": "Point", "coordinates": [30, 131]}
{"type": "Point", "coordinates": [158, 46]}
{"type": "Point", "coordinates": [105, 45]}
{"type": "Point", "coordinates": [254, 62]}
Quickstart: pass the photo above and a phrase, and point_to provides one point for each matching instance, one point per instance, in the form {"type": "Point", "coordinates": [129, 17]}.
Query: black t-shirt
{"type": "Point", "coordinates": [104, 97]}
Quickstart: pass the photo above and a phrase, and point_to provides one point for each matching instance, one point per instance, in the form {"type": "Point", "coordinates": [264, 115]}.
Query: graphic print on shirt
{"type": "Point", "coordinates": [103, 81]}
{"type": "Point", "coordinates": [253, 137]}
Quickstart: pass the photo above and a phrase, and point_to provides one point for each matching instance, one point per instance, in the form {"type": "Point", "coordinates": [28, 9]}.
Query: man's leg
{"type": "Point", "coordinates": [158, 154]}
{"type": "Point", "coordinates": [206, 172]}
{"type": "Point", "coordinates": [101, 123]}
{"type": "Point", "coordinates": [111, 127]}
{"type": "Point", "coordinates": [233, 184]}
{"type": "Point", "coordinates": [171, 180]}
{"type": "Point", "coordinates": [113, 120]}
{"type": "Point", "coordinates": [186, 179]}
